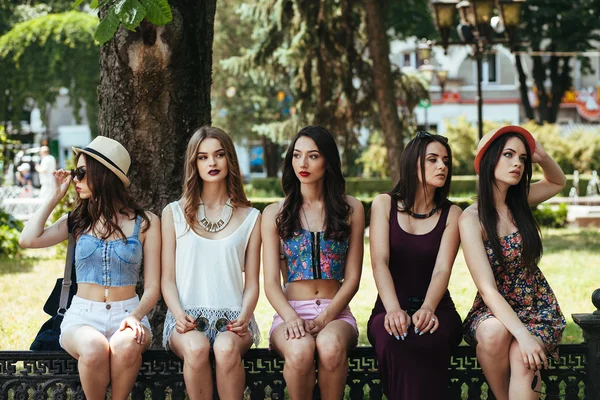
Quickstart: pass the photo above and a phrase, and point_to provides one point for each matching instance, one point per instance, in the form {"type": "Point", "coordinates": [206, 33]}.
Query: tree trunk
{"type": "Point", "coordinates": [560, 84]}
{"type": "Point", "coordinates": [272, 157]}
{"type": "Point", "coordinates": [325, 100]}
{"type": "Point", "coordinates": [523, 89]}
{"type": "Point", "coordinates": [379, 50]}
{"type": "Point", "coordinates": [539, 77]}
{"type": "Point", "coordinates": [154, 91]}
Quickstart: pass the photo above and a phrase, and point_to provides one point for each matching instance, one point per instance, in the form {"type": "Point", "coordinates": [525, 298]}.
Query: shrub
{"type": "Point", "coordinates": [374, 159]}
{"type": "Point", "coordinates": [8, 220]}
{"type": "Point", "coordinates": [462, 137]}
{"type": "Point", "coordinates": [555, 145]}
{"type": "Point", "coordinates": [10, 229]}
{"type": "Point", "coordinates": [545, 215]}
{"type": "Point", "coordinates": [584, 151]}
{"type": "Point", "coordinates": [551, 216]}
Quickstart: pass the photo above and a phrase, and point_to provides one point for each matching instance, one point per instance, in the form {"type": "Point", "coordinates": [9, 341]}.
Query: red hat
{"type": "Point", "coordinates": [494, 134]}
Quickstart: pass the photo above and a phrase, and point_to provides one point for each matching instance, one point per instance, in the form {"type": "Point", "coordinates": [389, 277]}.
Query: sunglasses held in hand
{"type": "Point", "coordinates": [203, 324]}
{"type": "Point", "coordinates": [536, 378]}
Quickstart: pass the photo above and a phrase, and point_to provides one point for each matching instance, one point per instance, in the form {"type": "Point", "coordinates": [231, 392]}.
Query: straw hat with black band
{"type": "Point", "coordinates": [109, 153]}
{"type": "Point", "coordinates": [494, 134]}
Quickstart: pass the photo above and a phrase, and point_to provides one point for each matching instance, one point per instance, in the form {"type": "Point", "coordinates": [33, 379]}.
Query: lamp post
{"type": "Point", "coordinates": [442, 76]}
{"type": "Point", "coordinates": [478, 23]}
{"type": "Point", "coordinates": [427, 71]}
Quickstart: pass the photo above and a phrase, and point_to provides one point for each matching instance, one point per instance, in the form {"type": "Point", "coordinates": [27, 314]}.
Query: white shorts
{"type": "Point", "coordinates": [104, 317]}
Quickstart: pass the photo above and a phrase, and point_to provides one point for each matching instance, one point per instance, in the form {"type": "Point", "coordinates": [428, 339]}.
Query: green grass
{"type": "Point", "coordinates": [571, 264]}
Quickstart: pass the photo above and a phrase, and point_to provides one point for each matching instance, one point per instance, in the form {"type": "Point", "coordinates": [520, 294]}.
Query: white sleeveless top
{"type": "Point", "coordinates": [209, 272]}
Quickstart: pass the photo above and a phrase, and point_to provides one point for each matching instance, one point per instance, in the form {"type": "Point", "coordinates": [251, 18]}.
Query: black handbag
{"type": "Point", "coordinates": [58, 302]}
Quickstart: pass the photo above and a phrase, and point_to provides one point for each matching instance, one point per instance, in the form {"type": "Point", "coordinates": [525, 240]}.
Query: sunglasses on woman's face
{"type": "Point", "coordinates": [78, 173]}
{"type": "Point", "coordinates": [423, 135]}
{"type": "Point", "coordinates": [203, 324]}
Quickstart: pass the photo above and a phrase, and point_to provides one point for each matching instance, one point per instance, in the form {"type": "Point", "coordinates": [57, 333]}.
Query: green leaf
{"type": "Point", "coordinates": [94, 4]}
{"type": "Point", "coordinates": [158, 12]}
{"type": "Point", "coordinates": [130, 12]}
{"type": "Point", "coordinates": [107, 27]}
{"type": "Point", "coordinates": [77, 3]}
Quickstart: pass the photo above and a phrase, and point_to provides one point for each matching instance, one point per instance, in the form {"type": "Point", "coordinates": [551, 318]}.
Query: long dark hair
{"type": "Point", "coordinates": [109, 198]}
{"type": "Point", "coordinates": [406, 188]}
{"type": "Point", "coordinates": [516, 200]}
{"type": "Point", "coordinates": [192, 184]}
{"type": "Point", "coordinates": [337, 209]}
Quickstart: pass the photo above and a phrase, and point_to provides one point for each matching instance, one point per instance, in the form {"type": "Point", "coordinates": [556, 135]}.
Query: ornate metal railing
{"type": "Point", "coordinates": [42, 375]}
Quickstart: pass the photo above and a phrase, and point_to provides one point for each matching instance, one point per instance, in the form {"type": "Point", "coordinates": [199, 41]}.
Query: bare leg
{"type": "Point", "coordinates": [333, 345]}
{"type": "Point", "coordinates": [125, 361]}
{"type": "Point", "coordinates": [229, 349]}
{"type": "Point", "coordinates": [520, 376]}
{"type": "Point", "coordinates": [92, 351]}
{"type": "Point", "coordinates": [493, 343]}
{"type": "Point", "coordinates": [194, 348]}
{"type": "Point", "coordinates": [299, 368]}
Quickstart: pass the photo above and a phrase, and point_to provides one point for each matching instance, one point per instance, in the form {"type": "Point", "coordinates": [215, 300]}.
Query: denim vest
{"type": "Point", "coordinates": [109, 262]}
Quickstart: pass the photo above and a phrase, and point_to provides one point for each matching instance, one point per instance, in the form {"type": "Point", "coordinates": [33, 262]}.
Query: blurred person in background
{"type": "Point", "coordinates": [45, 169]}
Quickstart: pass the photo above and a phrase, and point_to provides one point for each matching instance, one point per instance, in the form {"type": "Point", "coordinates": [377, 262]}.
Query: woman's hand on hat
{"type": "Point", "coordinates": [239, 326]}
{"type": "Point", "coordinates": [132, 322]}
{"type": "Point", "coordinates": [63, 180]}
{"type": "Point", "coordinates": [539, 154]}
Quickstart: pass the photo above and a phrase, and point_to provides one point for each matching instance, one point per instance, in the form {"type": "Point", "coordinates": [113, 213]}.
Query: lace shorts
{"type": "Point", "coordinates": [212, 315]}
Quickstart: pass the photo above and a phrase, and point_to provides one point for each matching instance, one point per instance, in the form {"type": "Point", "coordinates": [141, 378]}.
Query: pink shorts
{"type": "Point", "coordinates": [310, 309]}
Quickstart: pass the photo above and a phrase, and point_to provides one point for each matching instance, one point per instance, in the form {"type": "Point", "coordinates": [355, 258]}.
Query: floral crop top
{"type": "Point", "coordinates": [309, 256]}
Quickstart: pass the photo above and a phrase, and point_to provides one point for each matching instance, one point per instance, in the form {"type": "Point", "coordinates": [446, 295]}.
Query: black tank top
{"type": "Point", "coordinates": [412, 259]}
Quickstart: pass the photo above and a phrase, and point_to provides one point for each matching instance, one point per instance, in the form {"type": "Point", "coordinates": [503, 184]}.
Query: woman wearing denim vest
{"type": "Point", "coordinates": [105, 328]}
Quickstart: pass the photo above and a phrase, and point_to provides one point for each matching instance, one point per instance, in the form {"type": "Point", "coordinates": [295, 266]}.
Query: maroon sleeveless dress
{"type": "Point", "coordinates": [415, 368]}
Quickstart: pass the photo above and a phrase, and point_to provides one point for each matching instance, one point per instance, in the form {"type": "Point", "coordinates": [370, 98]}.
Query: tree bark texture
{"type": "Point", "coordinates": [154, 92]}
{"type": "Point", "coordinates": [272, 157]}
{"type": "Point", "coordinates": [523, 89]}
{"type": "Point", "coordinates": [384, 86]}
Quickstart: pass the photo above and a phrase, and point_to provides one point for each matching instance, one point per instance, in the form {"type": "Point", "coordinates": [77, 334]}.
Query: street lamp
{"type": "Point", "coordinates": [427, 71]}
{"type": "Point", "coordinates": [443, 15]}
{"type": "Point", "coordinates": [442, 76]}
{"type": "Point", "coordinates": [477, 27]}
{"type": "Point", "coordinates": [510, 13]}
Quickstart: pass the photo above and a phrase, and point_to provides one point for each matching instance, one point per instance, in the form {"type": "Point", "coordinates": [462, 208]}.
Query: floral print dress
{"type": "Point", "coordinates": [529, 295]}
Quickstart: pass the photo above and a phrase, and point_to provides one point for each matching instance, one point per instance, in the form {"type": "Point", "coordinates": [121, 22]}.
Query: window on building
{"type": "Point", "coordinates": [490, 68]}
{"type": "Point", "coordinates": [406, 62]}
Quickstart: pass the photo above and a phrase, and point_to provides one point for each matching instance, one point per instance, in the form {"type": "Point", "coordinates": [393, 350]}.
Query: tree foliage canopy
{"type": "Point", "coordinates": [42, 55]}
{"type": "Point", "coordinates": [317, 51]}
{"type": "Point", "coordinates": [557, 25]}
{"type": "Point", "coordinates": [129, 13]}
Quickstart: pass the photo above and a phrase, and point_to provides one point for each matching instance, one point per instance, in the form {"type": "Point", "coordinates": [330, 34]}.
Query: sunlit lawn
{"type": "Point", "coordinates": [571, 264]}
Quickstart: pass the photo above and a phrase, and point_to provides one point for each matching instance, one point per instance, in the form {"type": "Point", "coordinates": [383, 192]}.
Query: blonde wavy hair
{"type": "Point", "coordinates": [192, 184]}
